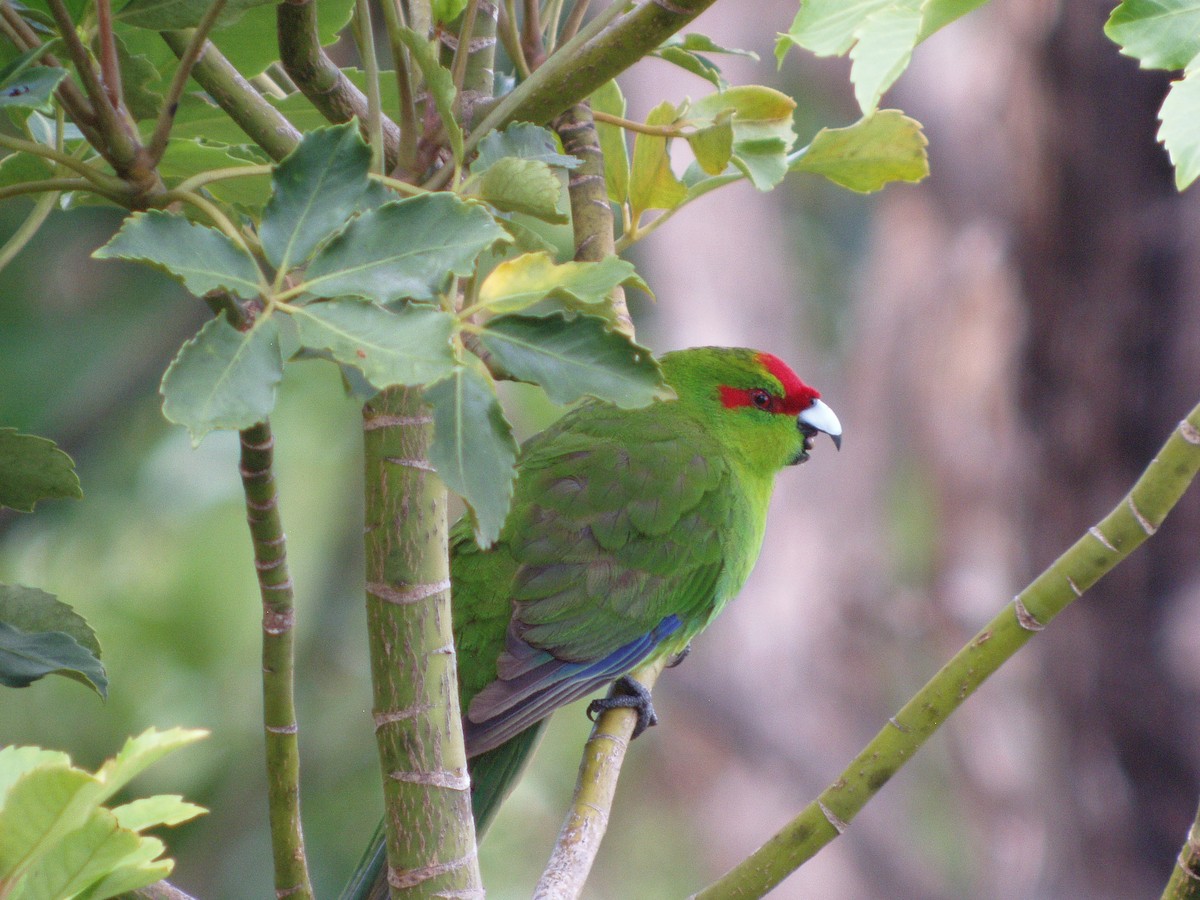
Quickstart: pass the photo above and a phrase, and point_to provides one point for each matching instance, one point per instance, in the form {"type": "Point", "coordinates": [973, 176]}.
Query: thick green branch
{"type": "Point", "coordinates": [263, 123]}
{"type": "Point", "coordinates": [278, 656]}
{"type": "Point", "coordinates": [1134, 519]}
{"type": "Point", "coordinates": [418, 728]}
{"type": "Point", "coordinates": [320, 80]}
{"type": "Point", "coordinates": [1184, 883]}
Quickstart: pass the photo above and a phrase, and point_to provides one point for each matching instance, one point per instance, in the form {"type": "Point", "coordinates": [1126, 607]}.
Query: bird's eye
{"type": "Point", "coordinates": [761, 399]}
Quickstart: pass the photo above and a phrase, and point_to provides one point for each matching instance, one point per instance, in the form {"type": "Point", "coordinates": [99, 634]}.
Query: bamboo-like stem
{"type": "Point", "coordinates": [364, 35]}
{"type": "Point", "coordinates": [281, 731]}
{"type": "Point", "coordinates": [587, 820]}
{"type": "Point", "coordinates": [197, 37]}
{"type": "Point", "coordinates": [418, 729]}
{"type": "Point", "coordinates": [319, 79]}
{"type": "Point", "coordinates": [263, 123]}
{"type": "Point", "coordinates": [591, 213]}
{"type": "Point", "coordinates": [1184, 883]}
{"type": "Point", "coordinates": [110, 67]}
{"type": "Point", "coordinates": [1135, 518]}
{"type": "Point", "coordinates": [393, 20]}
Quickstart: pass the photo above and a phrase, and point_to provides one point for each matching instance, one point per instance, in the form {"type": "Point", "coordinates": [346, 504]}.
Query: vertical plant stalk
{"type": "Point", "coordinates": [1135, 518]}
{"type": "Point", "coordinates": [110, 68]}
{"type": "Point", "coordinates": [278, 656]}
{"type": "Point", "coordinates": [418, 728]}
{"type": "Point", "coordinates": [587, 820]}
{"type": "Point", "coordinates": [591, 213]}
{"type": "Point", "coordinates": [364, 34]}
{"type": "Point", "coordinates": [393, 20]}
{"type": "Point", "coordinates": [1184, 883]}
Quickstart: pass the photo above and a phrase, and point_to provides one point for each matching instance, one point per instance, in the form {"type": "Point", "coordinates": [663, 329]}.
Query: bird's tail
{"type": "Point", "coordinates": [493, 776]}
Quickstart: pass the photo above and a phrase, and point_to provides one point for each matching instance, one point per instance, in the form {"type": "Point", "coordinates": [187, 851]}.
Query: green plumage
{"type": "Point", "coordinates": [629, 531]}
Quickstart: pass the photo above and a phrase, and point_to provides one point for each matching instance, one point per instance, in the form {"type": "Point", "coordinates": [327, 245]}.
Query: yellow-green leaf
{"type": "Point", "coordinates": [518, 283]}
{"type": "Point", "coordinates": [608, 99]}
{"type": "Point", "coordinates": [878, 149]}
{"type": "Point", "coordinates": [652, 184]}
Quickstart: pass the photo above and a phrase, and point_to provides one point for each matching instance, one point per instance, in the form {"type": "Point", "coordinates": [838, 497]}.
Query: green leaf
{"type": "Point", "coordinates": [84, 857]}
{"type": "Point", "coordinates": [575, 358]}
{"type": "Point", "coordinates": [652, 184]}
{"type": "Point", "coordinates": [31, 469]}
{"type": "Point", "coordinates": [686, 52]}
{"type": "Point", "coordinates": [445, 11]}
{"type": "Point", "coordinates": [883, 51]}
{"type": "Point", "coordinates": [409, 248]}
{"type": "Point", "coordinates": [440, 84]}
{"type": "Point", "coordinates": [32, 89]}
{"type": "Point", "coordinates": [186, 157]}
{"type": "Point", "coordinates": [525, 186]}
{"type": "Point", "coordinates": [881, 148]}
{"type": "Point", "coordinates": [608, 99]}
{"type": "Point", "coordinates": [32, 610]}
{"type": "Point", "coordinates": [223, 378]}
{"type": "Point", "coordinates": [162, 809]}
{"type": "Point", "coordinates": [16, 761]}
{"type": "Point", "coordinates": [409, 346]}
{"type": "Point", "coordinates": [243, 42]}
{"type": "Point", "coordinates": [317, 187]}
{"type": "Point", "coordinates": [19, 167]}
{"type": "Point", "coordinates": [139, 753]}
{"type": "Point", "coordinates": [1180, 130]}
{"type": "Point", "coordinates": [27, 657]}
{"type": "Point", "coordinates": [762, 129]}
{"type": "Point", "coordinates": [202, 258]}
{"type": "Point", "coordinates": [517, 284]}
{"type": "Point", "coordinates": [524, 141]}
{"type": "Point", "coordinates": [713, 145]}
{"type": "Point", "coordinates": [138, 73]}
{"type": "Point", "coordinates": [169, 15]}
{"type": "Point", "coordinates": [41, 807]}
{"type": "Point", "coordinates": [1160, 34]}
{"type": "Point", "coordinates": [473, 448]}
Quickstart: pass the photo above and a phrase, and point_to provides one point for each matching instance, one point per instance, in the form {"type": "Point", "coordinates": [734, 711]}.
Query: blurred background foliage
{"type": "Point", "coordinates": [1006, 345]}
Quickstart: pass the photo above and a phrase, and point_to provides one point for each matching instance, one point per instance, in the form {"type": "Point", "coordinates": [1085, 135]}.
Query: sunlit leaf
{"type": "Point", "coordinates": [473, 448]}
{"type": "Point", "coordinates": [408, 346]}
{"type": "Point", "coordinates": [608, 99]}
{"type": "Point", "coordinates": [1180, 129]}
{"type": "Point", "coordinates": [762, 129]}
{"type": "Point", "coordinates": [162, 809]}
{"type": "Point", "coordinates": [574, 358]}
{"type": "Point", "coordinates": [1160, 34]}
{"type": "Point", "coordinates": [223, 378]}
{"type": "Point", "coordinates": [447, 10]}
{"type": "Point", "coordinates": [884, 147]}
{"type": "Point", "coordinates": [32, 468]}
{"type": "Point", "coordinates": [652, 184]}
{"type": "Point", "coordinates": [517, 284]}
{"type": "Point", "coordinates": [317, 187]}
{"type": "Point", "coordinates": [713, 145]}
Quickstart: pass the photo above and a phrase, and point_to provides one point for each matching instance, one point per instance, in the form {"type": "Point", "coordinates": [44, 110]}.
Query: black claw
{"type": "Point", "coordinates": [680, 656]}
{"type": "Point", "coordinates": [627, 694]}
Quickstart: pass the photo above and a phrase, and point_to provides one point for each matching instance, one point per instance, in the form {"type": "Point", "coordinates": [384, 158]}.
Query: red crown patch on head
{"type": "Point", "coordinates": [797, 396]}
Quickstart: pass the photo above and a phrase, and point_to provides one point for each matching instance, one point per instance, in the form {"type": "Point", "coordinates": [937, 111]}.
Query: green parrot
{"type": "Point", "coordinates": [630, 530]}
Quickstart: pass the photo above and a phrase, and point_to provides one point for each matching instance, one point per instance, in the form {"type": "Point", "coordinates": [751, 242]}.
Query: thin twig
{"type": "Point", "coordinates": [462, 50]}
{"type": "Point", "coordinates": [110, 66]}
{"type": "Point", "coordinates": [531, 33]}
{"type": "Point", "coordinates": [364, 35]}
{"type": "Point", "coordinates": [1184, 883]}
{"type": "Point", "coordinates": [574, 20]}
{"type": "Point", "coordinates": [393, 20]}
{"type": "Point", "coordinates": [58, 184]}
{"type": "Point", "coordinates": [23, 235]}
{"type": "Point", "coordinates": [91, 173]}
{"type": "Point", "coordinates": [512, 40]}
{"type": "Point", "coordinates": [212, 175]}
{"type": "Point", "coordinates": [197, 37]}
{"type": "Point", "coordinates": [667, 131]}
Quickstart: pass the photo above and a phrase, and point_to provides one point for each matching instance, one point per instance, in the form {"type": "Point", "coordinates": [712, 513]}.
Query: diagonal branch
{"type": "Point", "coordinates": [1184, 883]}
{"type": "Point", "coordinates": [1135, 518]}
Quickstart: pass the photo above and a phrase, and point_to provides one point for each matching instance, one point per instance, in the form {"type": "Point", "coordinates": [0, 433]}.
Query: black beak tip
{"type": "Point", "coordinates": [837, 441]}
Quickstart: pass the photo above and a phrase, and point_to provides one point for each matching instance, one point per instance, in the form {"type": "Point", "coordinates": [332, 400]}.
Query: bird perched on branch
{"type": "Point", "coordinates": [630, 530]}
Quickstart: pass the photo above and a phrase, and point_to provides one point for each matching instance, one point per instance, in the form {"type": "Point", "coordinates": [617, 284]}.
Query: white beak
{"type": "Point", "coordinates": [822, 418]}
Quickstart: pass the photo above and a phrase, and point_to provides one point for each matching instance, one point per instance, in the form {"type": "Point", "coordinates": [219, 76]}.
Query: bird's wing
{"type": "Point", "coordinates": [619, 547]}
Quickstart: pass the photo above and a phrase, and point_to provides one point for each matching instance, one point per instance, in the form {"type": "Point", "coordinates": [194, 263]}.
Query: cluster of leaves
{"type": "Point", "coordinates": [60, 841]}
{"type": "Point", "coordinates": [39, 634]}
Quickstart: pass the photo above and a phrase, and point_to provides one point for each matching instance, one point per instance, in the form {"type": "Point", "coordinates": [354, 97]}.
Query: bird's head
{"type": "Point", "coordinates": [753, 402]}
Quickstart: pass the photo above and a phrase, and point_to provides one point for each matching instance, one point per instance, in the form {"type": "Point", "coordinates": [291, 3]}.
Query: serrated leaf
{"type": "Point", "coordinates": [883, 51]}
{"type": "Point", "coordinates": [317, 187]}
{"type": "Point", "coordinates": [140, 752]}
{"type": "Point", "coordinates": [1180, 129]}
{"type": "Point", "coordinates": [32, 468]}
{"type": "Point", "coordinates": [609, 99]}
{"type": "Point", "coordinates": [523, 185]}
{"type": "Point", "coordinates": [186, 157]}
{"type": "Point", "coordinates": [138, 73]}
{"type": "Point", "coordinates": [409, 346]}
{"type": "Point", "coordinates": [876, 150]}
{"type": "Point", "coordinates": [652, 184]}
{"type": "Point", "coordinates": [243, 42]}
{"type": "Point", "coordinates": [202, 258]}
{"type": "Point", "coordinates": [16, 761]}
{"type": "Point", "coordinates": [517, 284]}
{"type": "Point", "coordinates": [686, 52]}
{"type": "Point", "coordinates": [440, 84]}
{"type": "Point", "coordinates": [762, 129]}
{"type": "Point", "coordinates": [161, 809]}
{"type": "Point", "coordinates": [1160, 34]}
{"type": "Point", "coordinates": [524, 141]}
{"type": "Point", "coordinates": [170, 15]}
{"type": "Point", "coordinates": [223, 378]}
{"type": "Point", "coordinates": [32, 89]}
{"type": "Point", "coordinates": [575, 358]}
{"type": "Point", "coordinates": [81, 858]}
{"type": "Point", "coordinates": [43, 805]}
{"type": "Point", "coordinates": [409, 248]}
{"type": "Point", "coordinates": [27, 657]}
{"type": "Point", "coordinates": [33, 610]}
{"type": "Point", "coordinates": [473, 448]}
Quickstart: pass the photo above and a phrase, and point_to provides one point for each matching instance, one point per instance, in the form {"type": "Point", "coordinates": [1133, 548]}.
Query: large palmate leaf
{"type": "Point", "coordinates": [316, 189]}
{"type": "Point", "coordinates": [408, 346]}
{"type": "Point", "coordinates": [575, 358]}
{"type": "Point", "coordinates": [223, 378]}
{"type": "Point", "coordinates": [473, 448]}
{"type": "Point", "coordinates": [32, 468]}
{"type": "Point", "coordinates": [202, 258]}
{"type": "Point", "coordinates": [409, 248]}
{"type": "Point", "coordinates": [878, 149]}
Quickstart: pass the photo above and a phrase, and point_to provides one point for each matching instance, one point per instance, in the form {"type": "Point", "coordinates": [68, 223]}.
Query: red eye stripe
{"type": "Point", "coordinates": [797, 397]}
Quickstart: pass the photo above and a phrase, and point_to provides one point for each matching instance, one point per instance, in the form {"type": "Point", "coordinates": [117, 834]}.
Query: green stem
{"type": "Point", "coordinates": [507, 28]}
{"type": "Point", "coordinates": [263, 123]}
{"type": "Point", "coordinates": [393, 20]}
{"type": "Point", "coordinates": [458, 67]}
{"type": "Point", "coordinates": [91, 173]}
{"type": "Point", "coordinates": [574, 20]}
{"type": "Point", "coordinates": [200, 180]}
{"type": "Point", "coordinates": [1135, 518]}
{"type": "Point", "coordinates": [23, 235]}
{"type": "Point", "coordinates": [667, 131]}
{"type": "Point", "coordinates": [1184, 883]}
{"type": "Point", "coordinates": [59, 184]}
{"type": "Point", "coordinates": [110, 68]}
{"type": "Point", "coordinates": [197, 38]}
{"type": "Point", "coordinates": [418, 729]}
{"type": "Point", "coordinates": [215, 214]}
{"type": "Point", "coordinates": [364, 35]}
{"type": "Point", "coordinates": [278, 658]}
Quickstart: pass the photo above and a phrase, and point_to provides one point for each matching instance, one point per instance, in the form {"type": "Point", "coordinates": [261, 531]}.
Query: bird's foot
{"type": "Point", "coordinates": [679, 657]}
{"type": "Point", "coordinates": [627, 694]}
